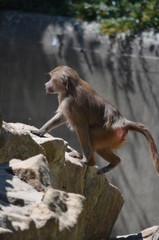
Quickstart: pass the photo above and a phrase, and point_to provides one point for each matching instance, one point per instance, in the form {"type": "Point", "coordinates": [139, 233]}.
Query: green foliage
{"type": "Point", "coordinates": [137, 16]}
{"type": "Point", "coordinates": [114, 15]}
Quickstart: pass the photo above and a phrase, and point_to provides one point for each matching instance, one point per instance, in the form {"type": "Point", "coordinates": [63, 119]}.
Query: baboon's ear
{"type": "Point", "coordinates": [65, 82]}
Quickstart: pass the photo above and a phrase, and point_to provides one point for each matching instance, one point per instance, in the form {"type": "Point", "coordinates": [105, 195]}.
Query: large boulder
{"type": "Point", "coordinates": [44, 190]}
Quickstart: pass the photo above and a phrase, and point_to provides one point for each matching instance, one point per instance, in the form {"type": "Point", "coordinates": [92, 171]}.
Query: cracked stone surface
{"type": "Point", "coordinates": [45, 192]}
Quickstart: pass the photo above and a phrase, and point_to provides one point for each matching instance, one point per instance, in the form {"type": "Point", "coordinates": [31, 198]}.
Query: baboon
{"type": "Point", "coordinates": [100, 127]}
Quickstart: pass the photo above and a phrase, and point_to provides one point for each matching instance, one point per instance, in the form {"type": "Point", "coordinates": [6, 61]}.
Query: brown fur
{"type": "Point", "coordinates": [99, 125]}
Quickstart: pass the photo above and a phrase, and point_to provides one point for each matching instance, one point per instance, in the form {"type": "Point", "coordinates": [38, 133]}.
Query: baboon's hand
{"type": "Point", "coordinates": [38, 132]}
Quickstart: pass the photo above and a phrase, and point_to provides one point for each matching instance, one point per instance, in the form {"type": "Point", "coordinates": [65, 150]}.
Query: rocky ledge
{"type": "Point", "coordinates": [46, 194]}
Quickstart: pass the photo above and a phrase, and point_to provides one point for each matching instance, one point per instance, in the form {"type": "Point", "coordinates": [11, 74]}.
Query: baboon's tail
{"type": "Point", "coordinates": [139, 127]}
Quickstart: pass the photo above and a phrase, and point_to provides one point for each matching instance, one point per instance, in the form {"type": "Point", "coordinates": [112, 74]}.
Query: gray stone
{"type": "Point", "coordinates": [17, 143]}
{"type": "Point", "coordinates": [35, 171]}
{"type": "Point", "coordinates": [151, 233]}
{"type": "Point", "coordinates": [44, 193]}
{"type": "Point", "coordinates": [24, 210]}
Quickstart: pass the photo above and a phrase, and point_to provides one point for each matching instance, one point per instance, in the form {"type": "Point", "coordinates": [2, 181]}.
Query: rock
{"type": "Point", "coordinates": [35, 171]}
{"type": "Point", "coordinates": [17, 143]}
{"type": "Point", "coordinates": [31, 206]}
{"type": "Point", "coordinates": [22, 206]}
{"type": "Point", "coordinates": [103, 200]}
{"type": "Point", "coordinates": [0, 129]}
{"type": "Point", "coordinates": [0, 123]}
{"type": "Point", "coordinates": [151, 233]}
